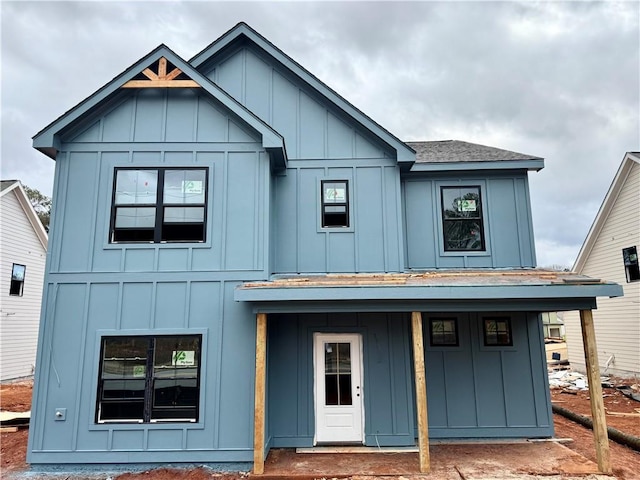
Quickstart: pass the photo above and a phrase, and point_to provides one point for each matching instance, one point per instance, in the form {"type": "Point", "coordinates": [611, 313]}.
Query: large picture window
{"type": "Point", "coordinates": [159, 205]}
{"type": "Point", "coordinates": [462, 219]}
{"type": "Point", "coordinates": [335, 203]}
{"type": "Point", "coordinates": [149, 379]}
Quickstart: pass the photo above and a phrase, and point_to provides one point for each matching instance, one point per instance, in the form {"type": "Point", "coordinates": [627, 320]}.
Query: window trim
{"type": "Point", "coordinates": [346, 204]}
{"type": "Point", "coordinates": [630, 261]}
{"type": "Point", "coordinates": [20, 282]}
{"type": "Point", "coordinates": [483, 322]}
{"type": "Point", "coordinates": [484, 251]}
{"type": "Point", "coordinates": [198, 422]}
{"type": "Point", "coordinates": [456, 331]}
{"type": "Point", "coordinates": [159, 207]}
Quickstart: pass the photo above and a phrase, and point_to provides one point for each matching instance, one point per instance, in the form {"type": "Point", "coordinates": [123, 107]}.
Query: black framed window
{"type": "Point", "coordinates": [17, 280]}
{"type": "Point", "coordinates": [462, 219]}
{"type": "Point", "coordinates": [497, 331]}
{"type": "Point", "coordinates": [159, 205]}
{"type": "Point", "coordinates": [335, 203]}
{"type": "Point", "coordinates": [631, 267]}
{"type": "Point", "coordinates": [444, 332]}
{"type": "Point", "coordinates": [149, 379]}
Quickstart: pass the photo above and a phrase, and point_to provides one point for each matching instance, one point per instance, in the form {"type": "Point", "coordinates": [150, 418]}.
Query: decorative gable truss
{"type": "Point", "coordinates": [159, 78]}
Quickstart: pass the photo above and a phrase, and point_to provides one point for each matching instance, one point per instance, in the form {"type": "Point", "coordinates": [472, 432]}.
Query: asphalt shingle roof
{"type": "Point", "coordinates": [444, 151]}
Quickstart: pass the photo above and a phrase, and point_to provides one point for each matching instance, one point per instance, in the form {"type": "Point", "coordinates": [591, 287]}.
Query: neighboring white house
{"type": "Point", "coordinates": [23, 251]}
{"type": "Point", "coordinates": [610, 252]}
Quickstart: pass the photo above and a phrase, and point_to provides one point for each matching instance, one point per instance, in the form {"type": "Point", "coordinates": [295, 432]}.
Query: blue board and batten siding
{"type": "Point", "coordinates": [95, 288]}
{"type": "Point", "coordinates": [507, 220]}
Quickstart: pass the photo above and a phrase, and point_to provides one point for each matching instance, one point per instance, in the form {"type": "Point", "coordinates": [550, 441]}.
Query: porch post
{"type": "Point", "coordinates": [421, 391]}
{"type": "Point", "coordinates": [258, 419]}
{"type": "Point", "coordinates": [595, 391]}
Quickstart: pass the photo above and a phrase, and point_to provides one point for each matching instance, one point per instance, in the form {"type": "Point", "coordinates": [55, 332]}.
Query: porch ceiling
{"type": "Point", "coordinates": [513, 287]}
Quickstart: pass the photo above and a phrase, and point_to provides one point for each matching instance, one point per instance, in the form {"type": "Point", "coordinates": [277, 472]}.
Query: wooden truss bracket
{"type": "Point", "coordinates": [161, 78]}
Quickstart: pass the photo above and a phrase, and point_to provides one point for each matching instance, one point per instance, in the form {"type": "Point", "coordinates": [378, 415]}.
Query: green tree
{"type": "Point", "coordinates": [41, 204]}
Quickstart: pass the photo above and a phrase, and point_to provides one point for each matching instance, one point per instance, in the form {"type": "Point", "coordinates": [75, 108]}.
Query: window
{"type": "Point", "coordinates": [159, 205]}
{"type": "Point", "coordinates": [149, 379]}
{"type": "Point", "coordinates": [462, 219]}
{"type": "Point", "coordinates": [497, 332]}
{"type": "Point", "coordinates": [631, 268]}
{"type": "Point", "coordinates": [335, 203]}
{"type": "Point", "coordinates": [17, 280]}
{"type": "Point", "coordinates": [444, 332]}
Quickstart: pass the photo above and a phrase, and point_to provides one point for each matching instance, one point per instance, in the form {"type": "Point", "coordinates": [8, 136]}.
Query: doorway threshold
{"type": "Point", "coordinates": [356, 449]}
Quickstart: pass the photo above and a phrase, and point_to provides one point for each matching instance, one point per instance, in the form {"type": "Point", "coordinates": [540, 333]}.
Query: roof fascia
{"type": "Point", "coordinates": [431, 292]}
{"type": "Point", "coordinates": [47, 140]}
{"type": "Point", "coordinates": [404, 153]}
{"type": "Point", "coordinates": [30, 212]}
{"type": "Point", "coordinates": [531, 165]}
{"type": "Point", "coordinates": [605, 209]}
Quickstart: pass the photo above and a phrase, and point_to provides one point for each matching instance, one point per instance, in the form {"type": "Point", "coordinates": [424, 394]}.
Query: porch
{"type": "Point", "coordinates": [468, 461]}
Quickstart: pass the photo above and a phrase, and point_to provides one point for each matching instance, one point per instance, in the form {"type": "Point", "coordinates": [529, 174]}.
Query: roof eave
{"type": "Point", "coordinates": [534, 164]}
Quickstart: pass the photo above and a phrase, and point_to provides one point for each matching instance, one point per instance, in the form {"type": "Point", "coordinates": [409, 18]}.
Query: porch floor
{"type": "Point", "coordinates": [468, 461]}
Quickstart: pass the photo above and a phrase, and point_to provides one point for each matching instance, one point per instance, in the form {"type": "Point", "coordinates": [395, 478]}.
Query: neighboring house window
{"type": "Point", "coordinates": [149, 379]}
{"type": "Point", "coordinates": [17, 280]}
{"type": "Point", "coordinates": [631, 268]}
{"type": "Point", "coordinates": [335, 203]}
{"type": "Point", "coordinates": [462, 219]}
{"type": "Point", "coordinates": [497, 331]}
{"type": "Point", "coordinates": [159, 205]}
{"type": "Point", "coordinates": [444, 332]}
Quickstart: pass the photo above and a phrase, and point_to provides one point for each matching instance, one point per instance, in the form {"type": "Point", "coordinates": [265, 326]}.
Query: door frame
{"type": "Point", "coordinates": [359, 357]}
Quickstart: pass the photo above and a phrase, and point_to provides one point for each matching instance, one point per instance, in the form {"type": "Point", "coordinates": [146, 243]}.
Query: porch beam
{"type": "Point", "coordinates": [421, 391]}
{"type": "Point", "coordinates": [259, 411]}
{"type": "Point", "coordinates": [595, 392]}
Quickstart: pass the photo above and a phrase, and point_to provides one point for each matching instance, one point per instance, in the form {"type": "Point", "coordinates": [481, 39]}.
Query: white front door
{"type": "Point", "coordinates": [338, 388]}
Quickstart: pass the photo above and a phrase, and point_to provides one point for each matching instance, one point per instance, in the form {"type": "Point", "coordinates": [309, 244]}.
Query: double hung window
{"type": "Point", "coordinates": [335, 203]}
{"type": "Point", "coordinates": [631, 266]}
{"type": "Point", "coordinates": [156, 205]}
{"type": "Point", "coordinates": [149, 379]}
{"type": "Point", "coordinates": [462, 220]}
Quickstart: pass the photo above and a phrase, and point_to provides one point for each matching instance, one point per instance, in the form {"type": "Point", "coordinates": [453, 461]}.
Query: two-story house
{"type": "Point", "coordinates": [240, 259]}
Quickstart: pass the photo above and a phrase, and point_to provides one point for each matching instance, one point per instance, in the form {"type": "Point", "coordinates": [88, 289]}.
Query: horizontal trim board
{"type": "Point", "coordinates": [155, 276]}
{"type": "Point", "coordinates": [536, 306]}
{"type": "Point", "coordinates": [205, 147]}
{"type": "Point", "coordinates": [100, 469]}
{"type": "Point", "coordinates": [497, 165]}
{"type": "Point", "coordinates": [338, 449]}
{"type": "Point", "coordinates": [432, 292]}
{"type": "Point", "coordinates": [140, 456]}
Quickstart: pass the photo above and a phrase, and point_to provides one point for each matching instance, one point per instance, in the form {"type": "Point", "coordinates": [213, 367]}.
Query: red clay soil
{"type": "Point", "coordinates": [626, 462]}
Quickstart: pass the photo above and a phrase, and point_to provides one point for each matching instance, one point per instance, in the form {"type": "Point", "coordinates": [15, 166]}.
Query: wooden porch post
{"type": "Point", "coordinates": [421, 391]}
{"type": "Point", "coordinates": [258, 419]}
{"type": "Point", "coordinates": [595, 391]}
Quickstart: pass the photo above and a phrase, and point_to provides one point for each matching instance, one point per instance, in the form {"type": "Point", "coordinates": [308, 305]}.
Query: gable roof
{"type": "Point", "coordinates": [455, 154]}
{"type": "Point", "coordinates": [7, 186]}
{"type": "Point", "coordinates": [243, 32]}
{"type": "Point", "coordinates": [609, 201]}
{"type": "Point", "coordinates": [47, 140]}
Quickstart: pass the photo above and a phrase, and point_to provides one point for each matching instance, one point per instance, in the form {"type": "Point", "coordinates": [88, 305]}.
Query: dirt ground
{"type": "Point", "coordinates": [626, 462]}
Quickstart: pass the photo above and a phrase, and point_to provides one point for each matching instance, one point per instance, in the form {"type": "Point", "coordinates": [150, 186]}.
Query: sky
{"type": "Point", "coordinates": [559, 80]}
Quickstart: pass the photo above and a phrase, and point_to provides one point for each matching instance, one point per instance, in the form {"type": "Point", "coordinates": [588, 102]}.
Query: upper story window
{"type": "Point", "coordinates": [631, 267]}
{"type": "Point", "coordinates": [462, 219]}
{"type": "Point", "coordinates": [335, 203]}
{"type": "Point", "coordinates": [149, 379]}
{"type": "Point", "coordinates": [17, 280]}
{"type": "Point", "coordinates": [159, 205]}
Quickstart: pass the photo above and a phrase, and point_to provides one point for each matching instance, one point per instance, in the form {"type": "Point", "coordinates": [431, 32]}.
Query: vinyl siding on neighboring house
{"type": "Point", "coordinates": [19, 314]}
{"type": "Point", "coordinates": [617, 320]}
